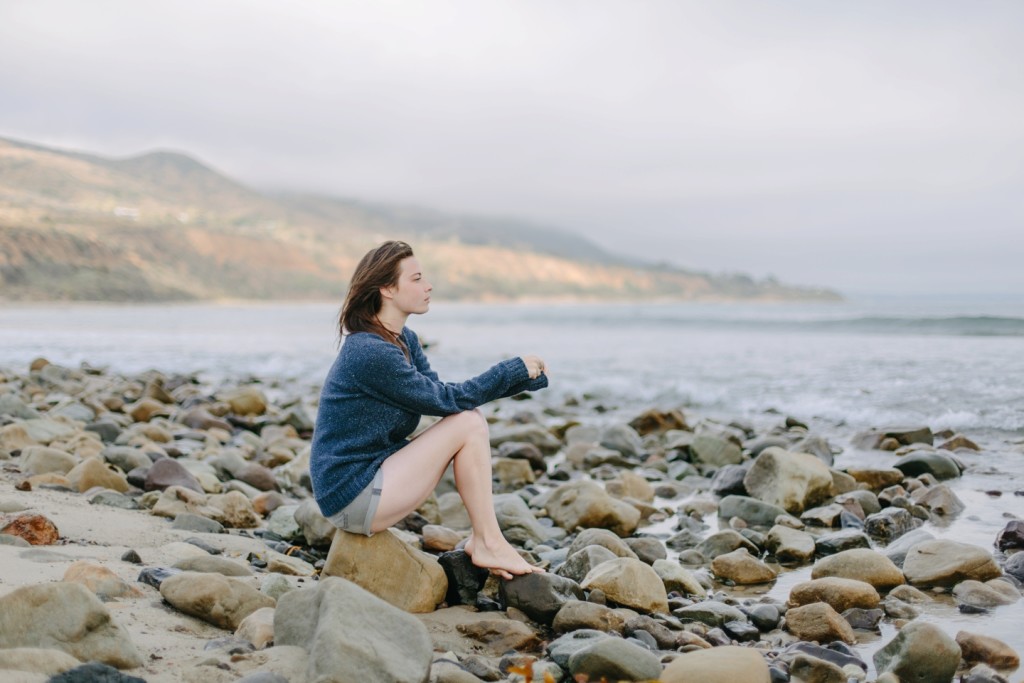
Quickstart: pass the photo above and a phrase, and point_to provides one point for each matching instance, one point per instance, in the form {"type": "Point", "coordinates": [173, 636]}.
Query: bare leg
{"type": "Point", "coordinates": [412, 473]}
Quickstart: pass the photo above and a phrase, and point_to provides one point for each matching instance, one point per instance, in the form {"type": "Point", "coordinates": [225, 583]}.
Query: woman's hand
{"type": "Point", "coordinates": [535, 366]}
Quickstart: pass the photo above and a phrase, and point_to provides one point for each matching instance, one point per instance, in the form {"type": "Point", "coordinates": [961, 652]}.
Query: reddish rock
{"type": "Point", "coordinates": [36, 529]}
{"type": "Point", "coordinates": [167, 472]}
{"type": "Point", "coordinates": [257, 476]}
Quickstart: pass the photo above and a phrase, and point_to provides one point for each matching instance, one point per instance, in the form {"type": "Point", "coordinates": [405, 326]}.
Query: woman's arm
{"type": "Point", "coordinates": [381, 370]}
{"type": "Point", "coordinates": [419, 359]}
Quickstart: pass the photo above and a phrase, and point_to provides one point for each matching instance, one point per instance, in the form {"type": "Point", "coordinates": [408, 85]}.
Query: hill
{"type": "Point", "coordinates": [163, 226]}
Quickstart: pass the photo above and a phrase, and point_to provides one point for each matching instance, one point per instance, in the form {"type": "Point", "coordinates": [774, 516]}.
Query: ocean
{"type": "Point", "coordinates": [840, 368]}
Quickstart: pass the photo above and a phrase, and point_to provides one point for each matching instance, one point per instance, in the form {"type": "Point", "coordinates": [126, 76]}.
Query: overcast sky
{"type": "Point", "coordinates": [868, 146]}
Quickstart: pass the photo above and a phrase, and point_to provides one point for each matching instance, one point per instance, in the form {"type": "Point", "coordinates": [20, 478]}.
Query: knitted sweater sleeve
{"type": "Point", "coordinates": [419, 358]}
{"type": "Point", "coordinates": [381, 370]}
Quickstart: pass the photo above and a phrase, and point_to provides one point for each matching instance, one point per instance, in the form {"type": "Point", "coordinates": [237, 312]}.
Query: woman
{"type": "Point", "coordinates": [366, 474]}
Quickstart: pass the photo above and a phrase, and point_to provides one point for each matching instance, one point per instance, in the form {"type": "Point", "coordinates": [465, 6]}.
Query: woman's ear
{"type": "Point", "coordinates": [387, 292]}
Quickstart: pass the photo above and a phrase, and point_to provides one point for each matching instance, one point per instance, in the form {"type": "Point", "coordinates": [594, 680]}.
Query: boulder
{"type": "Point", "coordinates": [793, 481]}
{"type": "Point", "coordinates": [585, 504]}
{"type": "Point", "coordinates": [579, 564]}
{"type": "Point", "coordinates": [790, 545]}
{"type": "Point", "coordinates": [860, 564]}
{"type": "Point", "coordinates": [946, 563]}
{"type": "Point", "coordinates": [389, 568]}
{"type": "Point", "coordinates": [940, 500]}
{"type": "Point", "coordinates": [741, 568]}
{"type": "Point", "coordinates": [840, 594]}
{"type": "Point", "coordinates": [818, 621]}
{"type": "Point", "coordinates": [617, 659]}
{"type": "Point", "coordinates": [876, 479]}
{"type": "Point", "coordinates": [898, 549]}
{"type": "Point", "coordinates": [353, 635]}
{"type": "Point", "coordinates": [540, 595]}
{"type": "Point", "coordinates": [986, 595]}
{"type": "Point", "coordinates": [975, 648]}
{"type": "Point", "coordinates": [938, 465]}
{"type": "Point", "coordinates": [67, 617]}
{"type": "Point", "coordinates": [726, 664]}
{"type": "Point", "coordinates": [889, 524]}
{"type": "Point", "coordinates": [220, 600]}
{"type": "Point", "coordinates": [630, 583]}
{"type": "Point", "coordinates": [919, 652]}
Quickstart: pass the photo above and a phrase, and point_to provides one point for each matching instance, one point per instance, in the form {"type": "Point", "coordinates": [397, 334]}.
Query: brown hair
{"type": "Point", "coordinates": [380, 267]}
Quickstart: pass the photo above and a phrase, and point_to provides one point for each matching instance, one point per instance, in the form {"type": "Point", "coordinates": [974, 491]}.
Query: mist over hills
{"type": "Point", "coordinates": [162, 226]}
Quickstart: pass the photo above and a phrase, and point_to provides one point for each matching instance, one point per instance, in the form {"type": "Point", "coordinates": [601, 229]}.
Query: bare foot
{"type": "Point", "coordinates": [500, 558]}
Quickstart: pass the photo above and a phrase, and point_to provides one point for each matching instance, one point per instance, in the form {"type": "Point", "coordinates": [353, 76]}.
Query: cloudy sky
{"type": "Point", "coordinates": [872, 146]}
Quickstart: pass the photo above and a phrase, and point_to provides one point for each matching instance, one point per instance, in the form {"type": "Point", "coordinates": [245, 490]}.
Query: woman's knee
{"type": "Point", "coordinates": [472, 423]}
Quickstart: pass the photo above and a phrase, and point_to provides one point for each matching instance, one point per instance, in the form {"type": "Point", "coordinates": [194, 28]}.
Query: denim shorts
{"type": "Point", "coordinates": [357, 516]}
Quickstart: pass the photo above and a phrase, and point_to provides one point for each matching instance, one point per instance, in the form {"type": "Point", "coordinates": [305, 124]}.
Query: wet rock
{"type": "Point", "coordinates": [728, 480]}
{"type": "Point", "coordinates": [982, 673]}
{"type": "Point", "coordinates": [741, 631]}
{"type": "Point", "coordinates": [576, 614]}
{"type": "Point", "coordinates": [839, 541]}
{"type": "Point", "coordinates": [104, 583]}
{"type": "Point", "coordinates": [898, 549]}
{"type": "Point", "coordinates": [351, 634]}
{"type": "Point", "coordinates": [630, 583]}
{"type": "Point", "coordinates": [741, 568]}
{"type": "Point", "coordinates": [828, 516]}
{"type": "Point", "coordinates": [809, 669]}
{"type": "Point", "coordinates": [986, 595]}
{"type": "Point", "coordinates": [166, 473]}
{"type": "Point", "coordinates": [723, 542]}
{"type": "Point", "coordinates": [562, 648]}
{"type": "Point", "coordinates": [1012, 535]}
{"type": "Point", "coordinates": [790, 545]}
{"type": "Point", "coordinates": [710, 612]}
{"type": "Point", "coordinates": [889, 524]}
{"type": "Point", "coordinates": [764, 616]}
{"type": "Point", "coordinates": [976, 648]}
{"type": "Point", "coordinates": [585, 504]}
{"type": "Point", "coordinates": [33, 528]}
{"type": "Point", "coordinates": [617, 659]}
{"type": "Point", "coordinates": [540, 595]}
{"type": "Point", "coordinates": [818, 621]}
{"type": "Point", "coordinates": [841, 594]}
{"type": "Point", "coordinates": [750, 510]}
{"type": "Point", "coordinates": [390, 569]}
{"type": "Point", "coordinates": [940, 500]}
{"type": "Point", "coordinates": [793, 481]}
{"type": "Point", "coordinates": [863, 619]}
{"type": "Point", "coordinates": [835, 653]}
{"type": "Point", "coordinates": [1015, 566]}
{"type": "Point", "coordinates": [876, 478]}
{"type": "Point", "coordinates": [647, 549]}
{"type": "Point", "coordinates": [860, 564]}
{"type": "Point", "coordinates": [919, 652]}
{"type": "Point", "coordinates": [154, 576]}
{"type": "Point", "coordinates": [67, 617]}
{"type": "Point", "coordinates": [946, 563]}
{"type": "Point", "coordinates": [727, 664]}
{"type": "Point", "coordinates": [924, 462]}
{"type": "Point", "coordinates": [958, 441]}
{"type": "Point", "coordinates": [579, 564]}
{"type": "Point", "coordinates": [220, 600]}
{"type": "Point", "coordinates": [213, 565]}
{"type": "Point", "coordinates": [873, 439]}
{"type": "Point", "coordinates": [676, 578]}
{"type": "Point", "coordinates": [500, 634]}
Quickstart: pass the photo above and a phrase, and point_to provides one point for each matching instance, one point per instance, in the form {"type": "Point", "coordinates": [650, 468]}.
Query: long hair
{"type": "Point", "coordinates": [380, 267]}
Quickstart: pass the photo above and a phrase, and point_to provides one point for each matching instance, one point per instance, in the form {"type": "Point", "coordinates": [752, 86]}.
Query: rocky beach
{"type": "Point", "coordinates": [155, 527]}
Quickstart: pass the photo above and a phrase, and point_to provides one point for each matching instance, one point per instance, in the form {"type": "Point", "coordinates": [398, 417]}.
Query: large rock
{"type": "Point", "coordinates": [947, 563]}
{"type": "Point", "coordinates": [316, 528]}
{"type": "Point", "coordinates": [898, 549]}
{"type": "Point", "coordinates": [710, 612]}
{"type": "Point", "coordinates": [818, 621]}
{"type": "Point", "coordinates": [615, 659]}
{"type": "Point", "coordinates": [258, 628]}
{"type": "Point", "coordinates": [33, 528]}
{"type": "Point", "coordinates": [725, 541]}
{"type": "Point", "coordinates": [540, 595]}
{"type": "Point", "coordinates": [975, 648]}
{"type": "Point", "coordinates": [920, 652]}
{"type": "Point", "coordinates": [793, 481]}
{"type": "Point", "coordinates": [630, 583]}
{"type": "Point", "coordinates": [516, 521]}
{"type": "Point", "coordinates": [677, 578]}
{"type": "Point", "coordinates": [603, 538]}
{"type": "Point", "coordinates": [790, 545]}
{"type": "Point", "coordinates": [940, 500]}
{"type": "Point", "coordinates": [742, 568]}
{"type": "Point", "coordinates": [716, 452]}
{"type": "Point", "coordinates": [66, 617]}
{"type": "Point", "coordinates": [577, 614]}
{"type": "Point", "coordinates": [622, 438]}
{"type": "Point", "coordinates": [727, 664]}
{"type": "Point", "coordinates": [236, 510]}
{"type": "Point", "coordinates": [248, 400]}
{"type": "Point", "coordinates": [840, 594]}
{"type": "Point", "coordinates": [750, 510]}
{"type": "Point", "coordinates": [876, 479]}
{"type": "Point", "coordinates": [986, 595]}
{"type": "Point", "coordinates": [938, 465]}
{"type": "Point", "coordinates": [579, 564]}
{"type": "Point", "coordinates": [389, 568]}
{"type": "Point", "coordinates": [860, 564]}
{"type": "Point", "coordinates": [889, 524]}
{"type": "Point", "coordinates": [585, 504]}
{"type": "Point", "coordinates": [220, 600]}
{"type": "Point", "coordinates": [168, 472]}
{"type": "Point", "coordinates": [352, 635]}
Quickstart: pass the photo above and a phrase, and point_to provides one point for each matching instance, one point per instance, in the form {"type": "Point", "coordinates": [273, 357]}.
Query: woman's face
{"type": "Point", "coordinates": [412, 293]}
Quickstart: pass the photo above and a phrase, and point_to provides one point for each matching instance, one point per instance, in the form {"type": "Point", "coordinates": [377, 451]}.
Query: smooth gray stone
{"type": "Point", "coordinates": [750, 510]}
{"type": "Point", "coordinates": [187, 521]}
{"type": "Point", "coordinates": [561, 649]}
{"type": "Point", "coordinates": [898, 549]}
{"type": "Point", "coordinates": [710, 612]}
{"type": "Point", "coordinates": [938, 465]}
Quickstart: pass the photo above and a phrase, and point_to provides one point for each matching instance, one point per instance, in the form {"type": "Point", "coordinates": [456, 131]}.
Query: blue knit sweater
{"type": "Point", "coordinates": [372, 401]}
